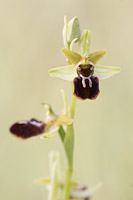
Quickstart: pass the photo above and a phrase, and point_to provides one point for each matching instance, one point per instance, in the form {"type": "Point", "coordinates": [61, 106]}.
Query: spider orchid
{"type": "Point", "coordinates": [83, 69]}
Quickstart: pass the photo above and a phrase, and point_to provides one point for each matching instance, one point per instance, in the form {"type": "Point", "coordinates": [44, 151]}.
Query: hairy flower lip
{"type": "Point", "coordinates": [89, 91]}
{"type": "Point", "coordinates": [26, 129]}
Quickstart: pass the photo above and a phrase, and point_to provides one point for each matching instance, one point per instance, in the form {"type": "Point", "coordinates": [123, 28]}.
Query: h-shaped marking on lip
{"type": "Point", "coordinates": [86, 78]}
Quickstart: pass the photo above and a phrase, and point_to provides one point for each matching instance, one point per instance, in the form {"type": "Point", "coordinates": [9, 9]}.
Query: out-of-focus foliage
{"type": "Point", "coordinates": [30, 44]}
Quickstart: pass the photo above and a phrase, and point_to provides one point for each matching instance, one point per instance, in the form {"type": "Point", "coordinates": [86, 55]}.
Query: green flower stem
{"type": "Point", "coordinates": [69, 149]}
{"type": "Point", "coordinates": [67, 186]}
{"type": "Point", "coordinates": [73, 107]}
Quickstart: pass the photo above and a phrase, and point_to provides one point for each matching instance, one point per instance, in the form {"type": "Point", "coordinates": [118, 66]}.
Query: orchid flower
{"type": "Point", "coordinates": [83, 69]}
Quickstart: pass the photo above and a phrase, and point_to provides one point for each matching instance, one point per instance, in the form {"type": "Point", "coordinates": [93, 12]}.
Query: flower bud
{"type": "Point", "coordinates": [84, 42]}
{"type": "Point", "coordinates": [73, 30]}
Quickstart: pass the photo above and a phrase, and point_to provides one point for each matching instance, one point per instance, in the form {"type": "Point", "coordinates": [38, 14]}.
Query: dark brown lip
{"type": "Point", "coordinates": [86, 92]}
{"type": "Point", "coordinates": [26, 129]}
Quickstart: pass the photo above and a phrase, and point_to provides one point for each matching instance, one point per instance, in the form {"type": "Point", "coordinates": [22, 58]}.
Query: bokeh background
{"type": "Point", "coordinates": [30, 44]}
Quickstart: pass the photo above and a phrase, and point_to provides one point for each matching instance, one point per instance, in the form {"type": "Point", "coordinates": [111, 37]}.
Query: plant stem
{"type": "Point", "coordinates": [73, 107]}
{"type": "Point", "coordinates": [67, 186]}
{"type": "Point", "coordinates": [69, 149]}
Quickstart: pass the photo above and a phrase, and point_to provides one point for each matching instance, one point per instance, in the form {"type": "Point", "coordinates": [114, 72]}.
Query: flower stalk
{"type": "Point", "coordinates": [69, 148]}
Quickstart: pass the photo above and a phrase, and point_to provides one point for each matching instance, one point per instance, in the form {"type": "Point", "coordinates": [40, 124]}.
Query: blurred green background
{"type": "Point", "coordinates": [30, 44]}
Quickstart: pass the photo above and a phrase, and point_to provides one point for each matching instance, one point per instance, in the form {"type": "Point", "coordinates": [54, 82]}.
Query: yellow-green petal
{"type": "Point", "coordinates": [96, 56]}
{"type": "Point", "coordinates": [72, 56]}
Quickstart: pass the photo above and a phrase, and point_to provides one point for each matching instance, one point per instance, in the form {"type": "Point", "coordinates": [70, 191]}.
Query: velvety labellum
{"type": "Point", "coordinates": [26, 129]}
{"type": "Point", "coordinates": [86, 88]}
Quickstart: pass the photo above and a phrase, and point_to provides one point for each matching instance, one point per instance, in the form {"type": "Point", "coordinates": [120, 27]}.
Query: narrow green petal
{"type": "Point", "coordinates": [84, 42]}
{"type": "Point", "coordinates": [96, 56]}
{"type": "Point", "coordinates": [66, 73]}
{"type": "Point", "coordinates": [103, 72]}
{"type": "Point", "coordinates": [72, 56]}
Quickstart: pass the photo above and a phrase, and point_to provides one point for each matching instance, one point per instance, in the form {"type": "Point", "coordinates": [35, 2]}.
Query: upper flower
{"type": "Point", "coordinates": [82, 69]}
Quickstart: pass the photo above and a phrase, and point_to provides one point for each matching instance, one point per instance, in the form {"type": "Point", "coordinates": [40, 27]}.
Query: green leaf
{"type": "Point", "coordinates": [66, 73]}
{"type": "Point", "coordinates": [96, 56]}
{"type": "Point", "coordinates": [64, 32]}
{"type": "Point", "coordinates": [84, 42]}
{"type": "Point", "coordinates": [103, 72]}
{"type": "Point", "coordinates": [73, 29]}
{"type": "Point", "coordinates": [72, 56]}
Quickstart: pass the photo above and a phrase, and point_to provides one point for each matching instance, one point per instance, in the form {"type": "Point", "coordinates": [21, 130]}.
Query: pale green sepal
{"type": "Point", "coordinates": [84, 42]}
{"type": "Point", "coordinates": [103, 72]}
{"type": "Point", "coordinates": [96, 56]}
{"type": "Point", "coordinates": [66, 73]}
{"type": "Point", "coordinates": [50, 131]}
{"type": "Point", "coordinates": [66, 103]}
{"type": "Point", "coordinates": [64, 32]}
{"type": "Point", "coordinates": [73, 29]}
{"type": "Point", "coordinates": [72, 56]}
